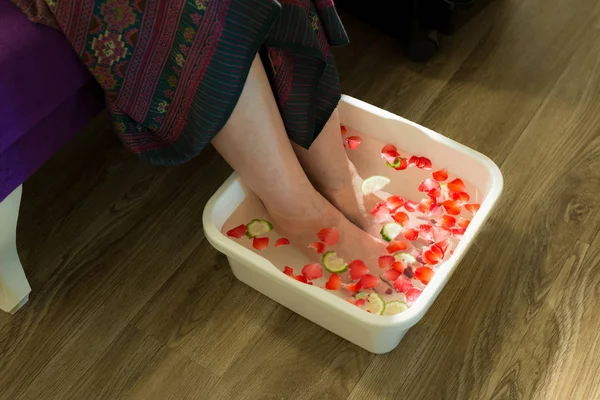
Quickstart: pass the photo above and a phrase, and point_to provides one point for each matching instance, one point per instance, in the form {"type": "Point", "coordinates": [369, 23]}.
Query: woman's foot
{"type": "Point", "coordinates": [301, 225]}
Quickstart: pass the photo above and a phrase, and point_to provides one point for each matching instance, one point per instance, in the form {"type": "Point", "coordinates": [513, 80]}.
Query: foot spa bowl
{"type": "Point", "coordinates": [375, 331]}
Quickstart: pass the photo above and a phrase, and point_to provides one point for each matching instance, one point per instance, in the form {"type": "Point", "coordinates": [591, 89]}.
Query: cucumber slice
{"type": "Point", "coordinates": [258, 227]}
{"type": "Point", "coordinates": [396, 163]}
{"type": "Point", "coordinates": [406, 258]}
{"type": "Point", "coordinates": [375, 304]}
{"type": "Point", "coordinates": [373, 184]}
{"type": "Point", "coordinates": [394, 307]}
{"type": "Point", "coordinates": [390, 231]}
{"type": "Point", "coordinates": [333, 263]}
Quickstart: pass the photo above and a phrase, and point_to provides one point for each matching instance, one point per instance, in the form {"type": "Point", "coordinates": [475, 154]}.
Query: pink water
{"type": "Point", "coordinates": [368, 161]}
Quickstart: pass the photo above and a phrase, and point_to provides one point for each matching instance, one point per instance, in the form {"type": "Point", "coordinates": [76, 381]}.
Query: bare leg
{"type": "Point", "coordinates": [335, 177]}
{"type": "Point", "coordinates": [255, 144]}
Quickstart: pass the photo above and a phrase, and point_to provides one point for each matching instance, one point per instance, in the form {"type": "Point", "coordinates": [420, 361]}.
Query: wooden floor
{"type": "Point", "coordinates": [130, 301]}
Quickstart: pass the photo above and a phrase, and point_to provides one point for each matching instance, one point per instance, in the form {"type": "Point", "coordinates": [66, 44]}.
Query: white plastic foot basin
{"type": "Point", "coordinates": [375, 333]}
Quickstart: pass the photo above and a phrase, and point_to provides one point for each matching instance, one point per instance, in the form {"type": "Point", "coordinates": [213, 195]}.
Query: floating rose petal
{"type": "Point", "coordinates": [357, 269]}
{"type": "Point", "coordinates": [318, 246]}
{"type": "Point", "coordinates": [351, 287]}
{"type": "Point", "coordinates": [448, 221]}
{"type": "Point", "coordinates": [425, 205]}
{"type": "Point", "coordinates": [408, 272]}
{"type": "Point", "coordinates": [412, 295]}
{"type": "Point", "coordinates": [402, 164]}
{"type": "Point", "coordinates": [300, 278]}
{"type": "Point", "coordinates": [312, 271]}
{"type": "Point", "coordinates": [238, 232]}
{"type": "Point", "coordinates": [282, 242]}
{"type": "Point", "coordinates": [368, 281]}
{"type": "Point", "coordinates": [343, 129]}
{"type": "Point", "coordinates": [428, 185]}
{"type": "Point", "coordinates": [461, 197]}
{"type": "Point", "coordinates": [436, 211]}
{"type": "Point", "coordinates": [403, 284]}
{"type": "Point", "coordinates": [386, 261]}
{"type": "Point", "coordinates": [260, 243]}
{"type": "Point", "coordinates": [440, 175]}
{"type": "Point", "coordinates": [463, 223]}
{"type": "Point", "coordinates": [353, 142]}
{"type": "Point", "coordinates": [424, 163]}
{"type": "Point", "coordinates": [398, 266]}
{"type": "Point", "coordinates": [434, 194]}
{"type": "Point", "coordinates": [396, 245]}
{"type": "Point", "coordinates": [432, 255]}
{"type": "Point", "coordinates": [452, 207]}
{"type": "Point", "coordinates": [390, 153]}
{"type": "Point", "coordinates": [443, 245]}
{"type": "Point", "coordinates": [391, 275]}
{"type": "Point", "coordinates": [413, 161]}
{"type": "Point", "coordinates": [457, 185]}
{"type": "Point", "coordinates": [410, 205]}
{"type": "Point", "coordinates": [329, 236]}
{"type": "Point", "coordinates": [458, 232]}
{"type": "Point", "coordinates": [394, 202]}
{"type": "Point", "coordinates": [381, 211]}
{"type": "Point", "coordinates": [410, 233]}
{"type": "Point", "coordinates": [360, 302]}
{"type": "Point", "coordinates": [401, 218]}
{"type": "Point", "coordinates": [424, 274]}
{"type": "Point", "coordinates": [440, 233]}
{"type": "Point", "coordinates": [334, 282]}
{"type": "Point", "coordinates": [425, 231]}
{"type": "Point", "coordinates": [472, 208]}
{"type": "Point", "coordinates": [288, 271]}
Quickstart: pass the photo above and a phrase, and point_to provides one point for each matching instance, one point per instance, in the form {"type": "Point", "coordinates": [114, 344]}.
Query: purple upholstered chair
{"type": "Point", "coordinates": [46, 97]}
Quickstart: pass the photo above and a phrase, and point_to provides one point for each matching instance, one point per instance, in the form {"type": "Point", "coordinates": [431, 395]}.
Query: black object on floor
{"type": "Point", "coordinates": [415, 23]}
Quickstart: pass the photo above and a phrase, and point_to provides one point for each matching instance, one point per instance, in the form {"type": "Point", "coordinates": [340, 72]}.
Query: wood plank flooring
{"type": "Point", "coordinates": [131, 302]}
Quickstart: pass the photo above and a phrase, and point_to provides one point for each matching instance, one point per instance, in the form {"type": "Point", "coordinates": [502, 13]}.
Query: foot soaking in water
{"type": "Point", "coordinates": [411, 235]}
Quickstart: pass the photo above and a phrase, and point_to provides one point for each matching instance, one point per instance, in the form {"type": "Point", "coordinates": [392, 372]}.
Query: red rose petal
{"type": "Point", "coordinates": [237, 232]}
{"type": "Point", "coordinates": [391, 275]}
{"type": "Point", "coordinates": [318, 246]}
{"type": "Point", "coordinates": [462, 197]}
{"type": "Point", "coordinates": [472, 208]}
{"type": "Point", "coordinates": [312, 271]}
{"type": "Point", "coordinates": [381, 211]}
{"type": "Point", "coordinates": [260, 243]}
{"type": "Point", "coordinates": [452, 207]}
{"type": "Point", "coordinates": [390, 153]}
{"type": "Point", "coordinates": [353, 142]}
{"type": "Point", "coordinates": [463, 222]}
{"type": "Point", "coordinates": [458, 232]}
{"type": "Point", "coordinates": [443, 245]}
{"type": "Point", "coordinates": [425, 205]}
{"type": "Point", "coordinates": [410, 205]}
{"type": "Point", "coordinates": [398, 267]}
{"type": "Point", "coordinates": [334, 282]}
{"type": "Point", "coordinates": [424, 163]}
{"type": "Point", "coordinates": [343, 129]}
{"type": "Point", "coordinates": [394, 202]}
{"type": "Point", "coordinates": [403, 165]}
{"type": "Point", "coordinates": [368, 281]}
{"type": "Point", "coordinates": [436, 211]}
{"type": "Point", "coordinates": [440, 233]}
{"type": "Point", "coordinates": [357, 269]}
{"type": "Point", "coordinates": [434, 194]}
{"type": "Point", "coordinates": [360, 302]}
{"type": "Point", "coordinates": [329, 236]}
{"type": "Point", "coordinates": [425, 231]}
{"type": "Point", "coordinates": [410, 233]}
{"type": "Point", "coordinates": [448, 221]}
{"type": "Point", "coordinates": [413, 161]}
{"type": "Point", "coordinates": [457, 185]}
{"type": "Point", "coordinates": [300, 278]}
{"type": "Point", "coordinates": [424, 274]}
{"type": "Point", "coordinates": [386, 261]}
{"type": "Point", "coordinates": [428, 185]}
{"type": "Point", "coordinates": [396, 245]}
{"type": "Point", "coordinates": [412, 295]}
{"type": "Point", "coordinates": [440, 175]}
{"type": "Point", "coordinates": [288, 271]}
{"type": "Point", "coordinates": [403, 284]}
{"type": "Point", "coordinates": [282, 242]}
{"type": "Point", "coordinates": [401, 218]}
{"type": "Point", "coordinates": [430, 257]}
{"type": "Point", "coordinates": [351, 287]}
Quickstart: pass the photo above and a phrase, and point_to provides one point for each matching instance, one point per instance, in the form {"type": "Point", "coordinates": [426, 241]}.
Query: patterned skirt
{"type": "Point", "coordinates": [173, 70]}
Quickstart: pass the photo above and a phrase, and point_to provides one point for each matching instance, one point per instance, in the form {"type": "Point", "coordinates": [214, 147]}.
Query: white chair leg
{"type": "Point", "coordinates": [14, 288]}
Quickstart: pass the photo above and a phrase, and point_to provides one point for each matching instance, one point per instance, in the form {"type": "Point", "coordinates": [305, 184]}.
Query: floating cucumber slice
{"type": "Point", "coordinates": [394, 307]}
{"type": "Point", "coordinates": [258, 227]}
{"type": "Point", "coordinates": [375, 304]}
{"type": "Point", "coordinates": [373, 184]}
{"type": "Point", "coordinates": [333, 263]}
{"type": "Point", "coordinates": [406, 258]}
{"type": "Point", "coordinates": [390, 231]}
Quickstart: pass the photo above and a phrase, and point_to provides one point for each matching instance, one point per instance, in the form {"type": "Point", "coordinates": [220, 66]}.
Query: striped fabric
{"type": "Point", "coordinates": [173, 70]}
